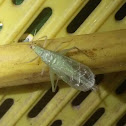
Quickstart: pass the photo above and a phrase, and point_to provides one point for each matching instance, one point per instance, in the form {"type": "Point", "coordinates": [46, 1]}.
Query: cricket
{"type": "Point", "coordinates": [75, 74]}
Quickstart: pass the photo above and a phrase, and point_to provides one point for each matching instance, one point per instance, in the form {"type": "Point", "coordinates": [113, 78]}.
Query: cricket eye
{"type": "Point", "coordinates": [31, 46]}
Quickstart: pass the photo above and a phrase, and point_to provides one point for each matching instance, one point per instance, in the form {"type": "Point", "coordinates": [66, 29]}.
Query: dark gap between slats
{"type": "Point", "coordinates": [121, 89]}
{"type": "Point", "coordinates": [122, 121]}
{"type": "Point", "coordinates": [42, 103]}
{"type": "Point", "coordinates": [57, 123]}
{"type": "Point", "coordinates": [17, 2]}
{"type": "Point", "coordinates": [5, 106]}
{"type": "Point", "coordinates": [95, 117]}
{"type": "Point", "coordinates": [121, 13]}
{"type": "Point", "coordinates": [82, 15]}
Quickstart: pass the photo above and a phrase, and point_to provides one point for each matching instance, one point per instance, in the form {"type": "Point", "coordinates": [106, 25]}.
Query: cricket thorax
{"type": "Point", "coordinates": [50, 58]}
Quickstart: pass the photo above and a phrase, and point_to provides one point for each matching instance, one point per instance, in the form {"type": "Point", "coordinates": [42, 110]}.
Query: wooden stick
{"type": "Point", "coordinates": [102, 52]}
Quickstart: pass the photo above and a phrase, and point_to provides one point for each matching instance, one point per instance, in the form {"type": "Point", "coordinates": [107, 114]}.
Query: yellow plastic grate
{"type": "Point", "coordinates": [35, 104]}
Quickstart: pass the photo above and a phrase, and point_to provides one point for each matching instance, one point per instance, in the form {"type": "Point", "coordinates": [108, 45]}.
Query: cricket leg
{"type": "Point", "coordinates": [45, 38]}
{"type": "Point", "coordinates": [59, 45]}
{"type": "Point", "coordinates": [56, 83]}
{"type": "Point", "coordinates": [43, 69]}
{"type": "Point", "coordinates": [84, 51]}
{"type": "Point", "coordinates": [44, 44]}
{"type": "Point", "coordinates": [35, 32]}
{"type": "Point", "coordinates": [52, 78]}
{"type": "Point", "coordinates": [65, 51]}
{"type": "Point", "coordinates": [42, 72]}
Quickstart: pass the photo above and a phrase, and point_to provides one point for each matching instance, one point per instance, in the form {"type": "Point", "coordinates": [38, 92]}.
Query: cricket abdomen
{"type": "Point", "coordinates": [73, 73]}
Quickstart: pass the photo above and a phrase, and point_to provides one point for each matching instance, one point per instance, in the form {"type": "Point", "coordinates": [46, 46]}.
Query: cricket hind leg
{"type": "Point", "coordinates": [43, 69]}
{"type": "Point", "coordinates": [52, 78]}
{"type": "Point", "coordinates": [65, 51]}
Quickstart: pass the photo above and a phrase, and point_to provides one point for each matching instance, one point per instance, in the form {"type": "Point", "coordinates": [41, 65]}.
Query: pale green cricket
{"type": "Point", "coordinates": [77, 75]}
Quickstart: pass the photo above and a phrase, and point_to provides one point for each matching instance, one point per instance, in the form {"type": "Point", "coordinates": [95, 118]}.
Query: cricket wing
{"type": "Point", "coordinates": [75, 74]}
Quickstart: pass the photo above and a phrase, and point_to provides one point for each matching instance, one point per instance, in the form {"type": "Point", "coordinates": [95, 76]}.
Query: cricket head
{"type": "Point", "coordinates": [32, 46]}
